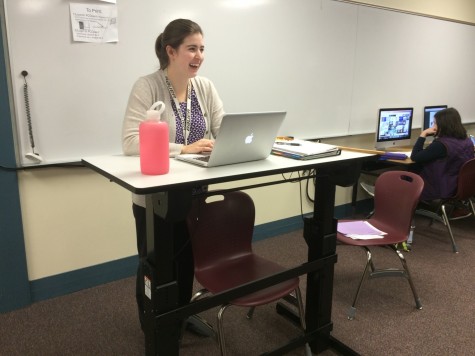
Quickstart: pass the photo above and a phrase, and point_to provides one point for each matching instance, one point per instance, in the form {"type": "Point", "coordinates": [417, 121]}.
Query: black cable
{"type": "Point", "coordinates": [310, 174]}
{"type": "Point", "coordinates": [28, 113]}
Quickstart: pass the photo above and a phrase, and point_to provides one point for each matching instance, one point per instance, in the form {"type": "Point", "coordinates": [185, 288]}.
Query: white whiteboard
{"type": "Point", "coordinates": [325, 62]}
{"type": "Point", "coordinates": [410, 61]}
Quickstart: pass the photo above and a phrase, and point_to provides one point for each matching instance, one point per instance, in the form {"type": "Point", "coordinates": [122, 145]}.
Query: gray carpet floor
{"type": "Point", "coordinates": [103, 320]}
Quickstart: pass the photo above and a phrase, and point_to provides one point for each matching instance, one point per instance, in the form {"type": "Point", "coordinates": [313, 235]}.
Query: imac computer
{"type": "Point", "coordinates": [429, 112]}
{"type": "Point", "coordinates": [394, 128]}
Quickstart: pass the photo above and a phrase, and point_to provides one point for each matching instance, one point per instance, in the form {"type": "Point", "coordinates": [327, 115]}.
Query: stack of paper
{"type": "Point", "coordinates": [301, 149]}
{"type": "Point", "coordinates": [359, 230]}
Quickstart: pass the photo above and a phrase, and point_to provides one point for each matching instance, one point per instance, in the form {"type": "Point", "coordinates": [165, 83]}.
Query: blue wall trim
{"type": "Point", "coordinates": [14, 286]}
{"type": "Point", "coordinates": [89, 277]}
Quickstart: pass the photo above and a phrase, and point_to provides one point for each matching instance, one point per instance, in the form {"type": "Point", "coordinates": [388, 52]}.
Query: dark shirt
{"type": "Point", "coordinates": [434, 151]}
{"type": "Point", "coordinates": [439, 163]}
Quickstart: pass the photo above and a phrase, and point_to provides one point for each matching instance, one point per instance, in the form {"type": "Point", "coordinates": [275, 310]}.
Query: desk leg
{"type": "Point", "coordinates": [161, 288]}
{"type": "Point", "coordinates": [354, 197]}
{"type": "Point", "coordinates": [320, 235]}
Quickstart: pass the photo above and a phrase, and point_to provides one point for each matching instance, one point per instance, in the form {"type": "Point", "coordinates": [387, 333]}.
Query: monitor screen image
{"type": "Point", "coordinates": [394, 127]}
{"type": "Point", "coordinates": [429, 112]}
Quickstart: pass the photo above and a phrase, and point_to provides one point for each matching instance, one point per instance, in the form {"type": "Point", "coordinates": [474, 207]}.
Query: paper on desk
{"type": "Point", "coordinates": [303, 147]}
{"type": "Point", "coordinates": [359, 229]}
{"type": "Point", "coordinates": [364, 237]}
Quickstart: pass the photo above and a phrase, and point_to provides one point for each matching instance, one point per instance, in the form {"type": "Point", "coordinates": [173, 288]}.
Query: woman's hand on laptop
{"type": "Point", "coordinates": [203, 145]}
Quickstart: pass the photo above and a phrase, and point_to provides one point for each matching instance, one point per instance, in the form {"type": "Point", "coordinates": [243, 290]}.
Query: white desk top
{"type": "Point", "coordinates": [125, 170]}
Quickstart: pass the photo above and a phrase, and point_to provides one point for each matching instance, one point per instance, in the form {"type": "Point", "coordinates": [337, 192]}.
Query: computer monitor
{"type": "Point", "coordinates": [429, 112]}
{"type": "Point", "coordinates": [394, 128]}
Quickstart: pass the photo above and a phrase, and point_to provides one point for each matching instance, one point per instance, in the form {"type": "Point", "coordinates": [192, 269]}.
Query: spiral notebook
{"type": "Point", "coordinates": [303, 149]}
{"type": "Point", "coordinates": [242, 138]}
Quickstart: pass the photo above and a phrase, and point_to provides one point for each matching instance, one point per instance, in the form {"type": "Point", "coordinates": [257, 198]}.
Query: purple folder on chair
{"type": "Point", "coordinates": [357, 227]}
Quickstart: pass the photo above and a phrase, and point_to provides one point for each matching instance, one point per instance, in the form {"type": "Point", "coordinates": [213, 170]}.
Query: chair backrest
{"type": "Point", "coordinates": [221, 228]}
{"type": "Point", "coordinates": [466, 180]}
{"type": "Point", "coordinates": [395, 198]}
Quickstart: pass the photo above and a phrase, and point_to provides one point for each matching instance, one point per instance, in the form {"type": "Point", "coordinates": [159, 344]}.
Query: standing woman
{"type": "Point", "coordinates": [440, 162]}
{"type": "Point", "coordinates": [193, 111]}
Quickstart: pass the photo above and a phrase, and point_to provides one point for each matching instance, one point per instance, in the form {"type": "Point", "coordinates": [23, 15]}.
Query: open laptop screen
{"type": "Point", "coordinates": [243, 137]}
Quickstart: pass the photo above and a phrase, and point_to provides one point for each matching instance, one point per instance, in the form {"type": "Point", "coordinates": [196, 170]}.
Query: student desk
{"type": "Point", "coordinates": [404, 149]}
{"type": "Point", "coordinates": [169, 196]}
{"type": "Point", "coordinates": [376, 164]}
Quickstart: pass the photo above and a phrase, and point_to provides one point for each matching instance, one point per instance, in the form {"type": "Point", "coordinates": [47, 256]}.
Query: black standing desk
{"type": "Point", "coordinates": [169, 196]}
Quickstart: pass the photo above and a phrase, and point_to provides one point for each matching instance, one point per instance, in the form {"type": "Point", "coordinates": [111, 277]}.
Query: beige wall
{"type": "Point", "coordinates": [459, 10]}
{"type": "Point", "coordinates": [73, 218]}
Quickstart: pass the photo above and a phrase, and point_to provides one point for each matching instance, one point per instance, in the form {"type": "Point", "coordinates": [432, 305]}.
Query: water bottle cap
{"type": "Point", "coordinates": [160, 105]}
{"type": "Point", "coordinates": [153, 114]}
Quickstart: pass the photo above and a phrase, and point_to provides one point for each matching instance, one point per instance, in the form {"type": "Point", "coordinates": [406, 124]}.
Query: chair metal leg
{"type": "Point", "coordinates": [447, 224]}
{"type": "Point", "coordinates": [221, 340]}
{"type": "Point", "coordinates": [199, 323]}
{"type": "Point", "coordinates": [409, 278]}
{"type": "Point", "coordinates": [443, 218]}
{"type": "Point", "coordinates": [250, 313]}
{"type": "Point", "coordinates": [472, 206]}
{"type": "Point", "coordinates": [298, 295]}
{"type": "Point", "coordinates": [199, 294]}
{"type": "Point", "coordinates": [301, 309]}
{"type": "Point", "coordinates": [411, 232]}
{"type": "Point", "coordinates": [369, 262]}
{"type": "Point", "coordinates": [431, 215]}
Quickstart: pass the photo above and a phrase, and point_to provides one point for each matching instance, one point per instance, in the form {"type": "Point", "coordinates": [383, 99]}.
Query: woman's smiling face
{"type": "Point", "coordinates": [189, 56]}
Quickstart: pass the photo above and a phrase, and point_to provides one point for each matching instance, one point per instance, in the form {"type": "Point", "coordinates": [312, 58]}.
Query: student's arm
{"type": "Point", "coordinates": [434, 151]}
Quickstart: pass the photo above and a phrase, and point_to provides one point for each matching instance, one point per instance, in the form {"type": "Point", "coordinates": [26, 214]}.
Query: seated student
{"type": "Point", "coordinates": [440, 162]}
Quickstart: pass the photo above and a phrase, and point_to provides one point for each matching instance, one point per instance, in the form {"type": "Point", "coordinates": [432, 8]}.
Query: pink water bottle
{"type": "Point", "coordinates": [153, 138]}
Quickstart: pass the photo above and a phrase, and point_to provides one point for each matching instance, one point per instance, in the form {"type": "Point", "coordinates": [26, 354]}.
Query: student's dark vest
{"type": "Point", "coordinates": [440, 176]}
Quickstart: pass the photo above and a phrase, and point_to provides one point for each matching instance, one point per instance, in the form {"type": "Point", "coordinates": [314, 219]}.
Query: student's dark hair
{"type": "Point", "coordinates": [174, 35]}
{"type": "Point", "coordinates": [449, 124]}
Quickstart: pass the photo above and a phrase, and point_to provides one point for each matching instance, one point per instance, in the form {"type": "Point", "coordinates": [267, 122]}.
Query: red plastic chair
{"type": "Point", "coordinates": [395, 199]}
{"type": "Point", "coordinates": [440, 210]}
{"type": "Point", "coordinates": [221, 236]}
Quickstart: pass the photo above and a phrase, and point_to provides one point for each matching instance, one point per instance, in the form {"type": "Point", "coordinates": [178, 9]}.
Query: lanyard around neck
{"type": "Point", "coordinates": [185, 120]}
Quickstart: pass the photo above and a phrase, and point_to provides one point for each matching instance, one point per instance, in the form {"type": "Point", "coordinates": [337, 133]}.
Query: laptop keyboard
{"type": "Point", "coordinates": [204, 158]}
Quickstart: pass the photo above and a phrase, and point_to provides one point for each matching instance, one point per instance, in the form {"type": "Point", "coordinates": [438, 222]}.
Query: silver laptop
{"type": "Point", "coordinates": [242, 138]}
